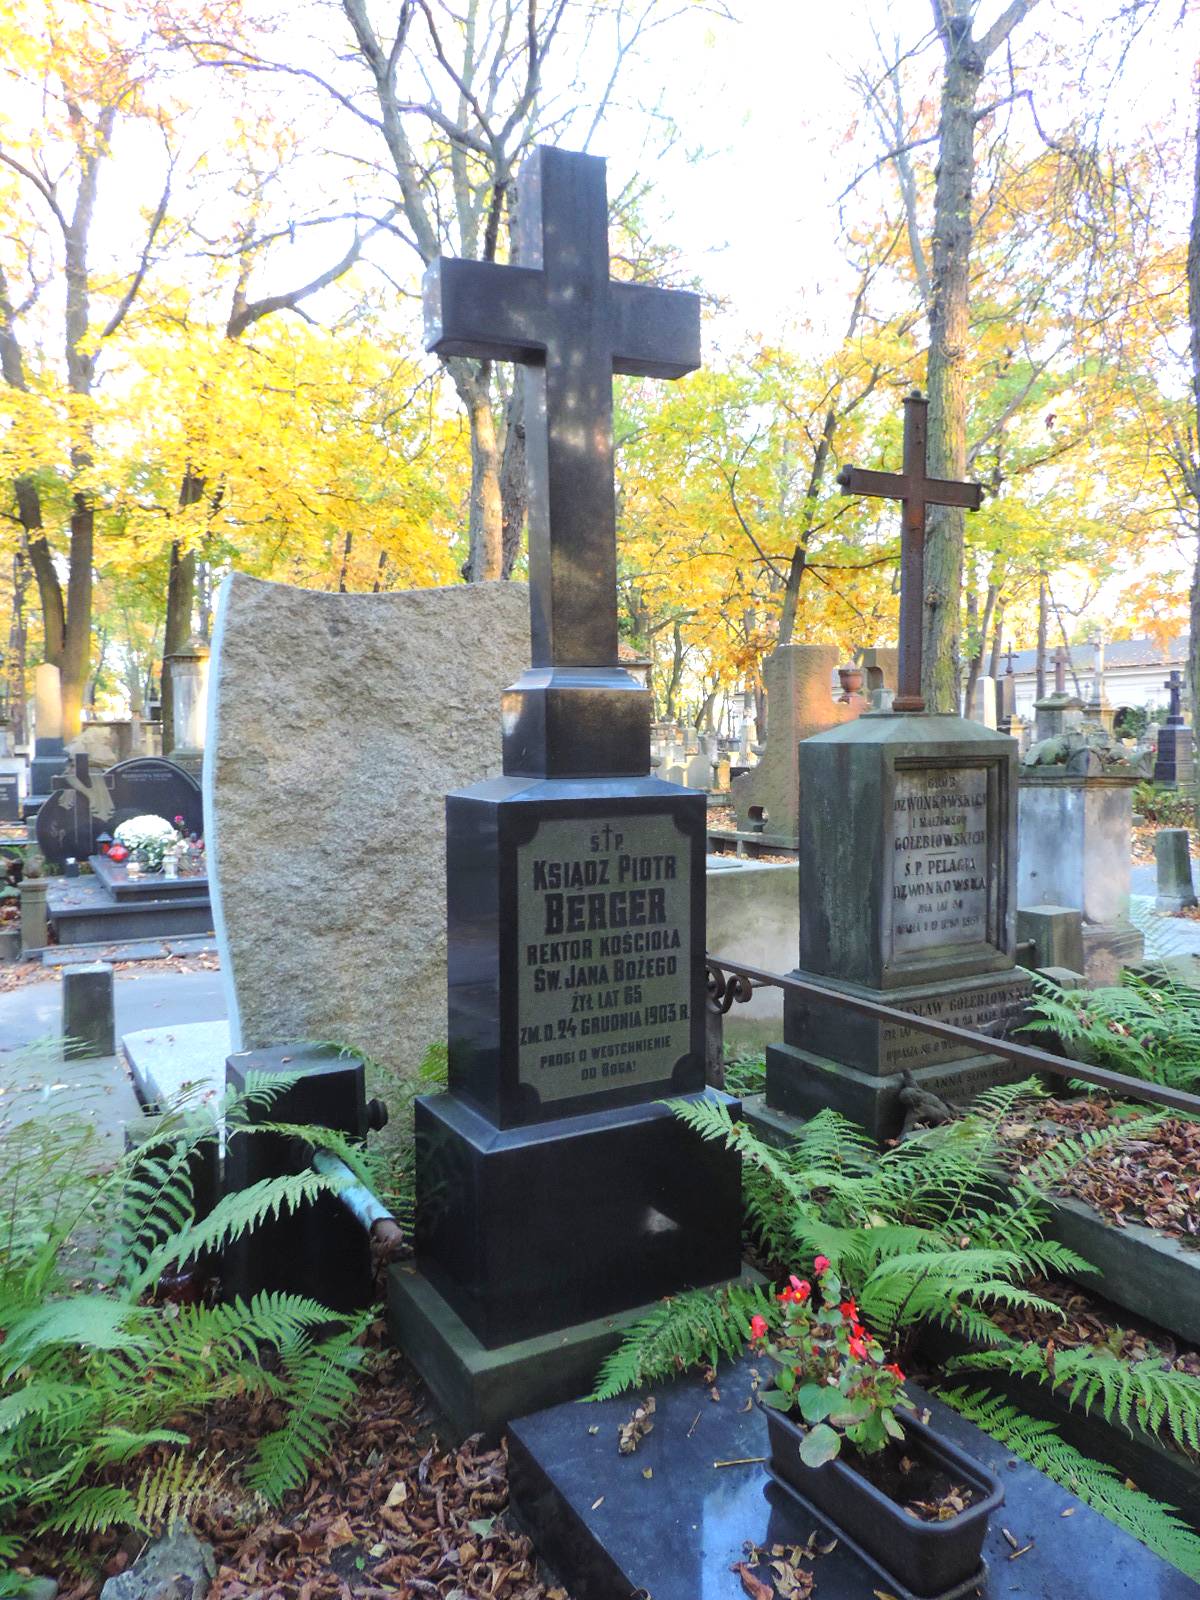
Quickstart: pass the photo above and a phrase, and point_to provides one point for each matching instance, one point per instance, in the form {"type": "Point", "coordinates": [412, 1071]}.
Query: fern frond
{"type": "Point", "coordinates": [1145, 1394]}
{"type": "Point", "coordinates": [92, 1509]}
{"type": "Point", "coordinates": [699, 1326]}
{"type": "Point", "coordinates": [176, 1490]}
{"type": "Point", "coordinates": [1098, 1485]}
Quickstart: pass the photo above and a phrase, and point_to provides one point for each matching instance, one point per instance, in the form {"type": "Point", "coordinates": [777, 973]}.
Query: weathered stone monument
{"type": "Point", "coordinates": [1076, 821]}
{"type": "Point", "coordinates": [984, 706]}
{"type": "Point", "coordinates": [1173, 863]}
{"type": "Point", "coordinates": [189, 704]}
{"type": "Point", "coordinates": [1173, 762]}
{"type": "Point", "coordinates": [907, 869]}
{"type": "Point", "coordinates": [328, 860]}
{"type": "Point", "coordinates": [799, 681]}
{"type": "Point", "coordinates": [555, 1190]}
{"type": "Point", "coordinates": [49, 750]}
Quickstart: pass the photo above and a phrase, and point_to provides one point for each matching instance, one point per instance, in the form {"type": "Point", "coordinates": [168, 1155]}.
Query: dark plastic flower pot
{"type": "Point", "coordinates": [926, 1558]}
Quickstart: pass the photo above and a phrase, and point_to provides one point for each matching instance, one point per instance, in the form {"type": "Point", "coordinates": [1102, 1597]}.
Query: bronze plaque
{"type": "Point", "coordinates": [940, 889]}
{"type": "Point", "coordinates": [604, 928]}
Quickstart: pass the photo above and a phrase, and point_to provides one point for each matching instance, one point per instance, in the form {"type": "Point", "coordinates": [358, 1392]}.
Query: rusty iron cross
{"type": "Point", "coordinates": [915, 490]}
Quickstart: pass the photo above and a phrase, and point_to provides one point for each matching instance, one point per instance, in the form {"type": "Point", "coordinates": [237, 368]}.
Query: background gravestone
{"type": "Point", "coordinates": [328, 762]}
{"type": "Point", "coordinates": [800, 702]}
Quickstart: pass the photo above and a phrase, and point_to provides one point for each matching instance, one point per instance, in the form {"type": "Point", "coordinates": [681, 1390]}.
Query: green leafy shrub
{"type": "Point", "coordinates": [929, 1233]}
{"type": "Point", "coordinates": [1148, 1030]}
{"type": "Point", "coordinates": [1167, 807]}
{"type": "Point", "coordinates": [99, 1383]}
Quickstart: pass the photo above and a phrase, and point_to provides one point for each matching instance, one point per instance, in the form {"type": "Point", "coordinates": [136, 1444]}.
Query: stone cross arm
{"type": "Point", "coordinates": [499, 313]}
{"type": "Point", "coordinates": [558, 314]}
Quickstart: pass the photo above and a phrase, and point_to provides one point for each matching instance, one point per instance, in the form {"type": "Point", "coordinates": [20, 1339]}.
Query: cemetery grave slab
{"type": "Point", "coordinates": [187, 1058]}
{"type": "Point", "coordinates": [83, 911]}
{"type": "Point", "coordinates": [115, 877]}
{"type": "Point", "coordinates": [666, 1522]}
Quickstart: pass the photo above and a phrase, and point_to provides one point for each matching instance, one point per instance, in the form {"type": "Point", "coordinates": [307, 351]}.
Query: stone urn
{"type": "Point", "coordinates": [851, 680]}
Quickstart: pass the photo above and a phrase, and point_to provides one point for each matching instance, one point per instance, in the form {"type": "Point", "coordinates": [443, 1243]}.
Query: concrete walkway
{"type": "Point", "coordinates": [34, 1079]}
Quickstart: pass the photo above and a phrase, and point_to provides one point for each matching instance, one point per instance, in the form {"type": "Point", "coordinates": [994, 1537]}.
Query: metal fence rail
{"type": "Point", "coordinates": [733, 982]}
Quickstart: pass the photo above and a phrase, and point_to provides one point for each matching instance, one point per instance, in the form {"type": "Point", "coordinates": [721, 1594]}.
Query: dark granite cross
{"type": "Point", "coordinates": [1174, 687]}
{"type": "Point", "coordinates": [915, 490]}
{"type": "Point", "coordinates": [1010, 656]}
{"type": "Point", "coordinates": [559, 314]}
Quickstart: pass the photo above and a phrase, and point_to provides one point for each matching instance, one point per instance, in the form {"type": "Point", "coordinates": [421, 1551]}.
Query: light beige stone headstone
{"type": "Point", "coordinates": [47, 698]}
{"type": "Point", "coordinates": [800, 681]}
{"type": "Point", "coordinates": [337, 724]}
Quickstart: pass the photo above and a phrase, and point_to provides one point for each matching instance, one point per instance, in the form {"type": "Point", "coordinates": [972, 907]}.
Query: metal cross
{"type": "Point", "coordinates": [915, 490]}
{"type": "Point", "coordinates": [560, 315]}
{"type": "Point", "coordinates": [1010, 656]}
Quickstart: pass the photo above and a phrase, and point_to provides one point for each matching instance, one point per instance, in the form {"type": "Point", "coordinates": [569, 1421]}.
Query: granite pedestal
{"type": "Point", "coordinates": [906, 899]}
{"type": "Point", "coordinates": [552, 1189]}
{"type": "Point", "coordinates": [675, 1519]}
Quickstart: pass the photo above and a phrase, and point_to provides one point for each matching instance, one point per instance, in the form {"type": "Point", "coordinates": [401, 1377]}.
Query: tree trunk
{"type": "Point", "coordinates": [791, 593]}
{"type": "Point", "coordinates": [1193, 280]}
{"type": "Point", "coordinates": [18, 647]}
{"type": "Point", "coordinates": [949, 330]}
{"type": "Point", "coordinates": [181, 589]}
{"type": "Point", "coordinates": [485, 533]}
{"type": "Point", "coordinates": [997, 641]}
{"type": "Point", "coordinates": [77, 641]}
{"type": "Point", "coordinates": [976, 666]}
{"type": "Point", "coordinates": [1043, 619]}
{"type": "Point", "coordinates": [676, 678]}
{"type": "Point", "coordinates": [514, 482]}
{"type": "Point", "coordinates": [948, 335]}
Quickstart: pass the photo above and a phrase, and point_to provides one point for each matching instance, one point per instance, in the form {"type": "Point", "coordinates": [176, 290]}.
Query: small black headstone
{"type": "Point", "coordinates": [85, 804]}
{"type": "Point", "coordinates": [10, 797]}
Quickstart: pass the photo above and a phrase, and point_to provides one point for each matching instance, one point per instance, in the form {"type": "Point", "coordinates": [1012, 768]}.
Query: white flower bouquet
{"type": "Point", "coordinates": [147, 839]}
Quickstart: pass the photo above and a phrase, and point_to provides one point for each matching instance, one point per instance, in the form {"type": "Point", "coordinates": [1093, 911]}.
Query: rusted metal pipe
{"type": "Point", "coordinates": [387, 1237]}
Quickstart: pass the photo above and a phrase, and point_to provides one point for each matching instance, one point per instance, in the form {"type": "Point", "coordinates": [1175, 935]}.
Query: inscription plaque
{"type": "Point", "coordinates": [940, 890]}
{"type": "Point", "coordinates": [604, 942]}
{"type": "Point", "coordinates": [993, 1008]}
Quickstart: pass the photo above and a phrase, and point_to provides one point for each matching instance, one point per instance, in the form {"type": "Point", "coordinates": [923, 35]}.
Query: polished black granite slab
{"type": "Point", "coordinates": [666, 1523]}
{"type": "Point", "coordinates": [524, 1231]}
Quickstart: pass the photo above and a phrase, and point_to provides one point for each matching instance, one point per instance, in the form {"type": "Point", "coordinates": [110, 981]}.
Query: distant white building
{"type": "Point", "coordinates": [1135, 672]}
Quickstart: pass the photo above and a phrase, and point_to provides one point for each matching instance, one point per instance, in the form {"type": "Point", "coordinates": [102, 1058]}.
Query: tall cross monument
{"type": "Point", "coordinates": [560, 316]}
{"type": "Point", "coordinates": [553, 1186]}
{"type": "Point", "coordinates": [916, 491]}
{"type": "Point", "coordinates": [907, 858]}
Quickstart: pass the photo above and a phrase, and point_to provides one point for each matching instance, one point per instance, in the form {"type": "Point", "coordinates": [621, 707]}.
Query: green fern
{"type": "Point", "coordinates": [1145, 1393]}
{"type": "Point", "coordinates": [1149, 1030]}
{"type": "Point", "coordinates": [321, 1379]}
{"type": "Point", "coordinates": [699, 1326]}
{"type": "Point", "coordinates": [89, 1371]}
{"type": "Point", "coordinates": [933, 1232]}
{"type": "Point", "coordinates": [1095, 1483]}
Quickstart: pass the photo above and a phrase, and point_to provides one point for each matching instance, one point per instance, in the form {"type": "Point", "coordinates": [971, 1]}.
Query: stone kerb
{"type": "Point", "coordinates": [336, 726]}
